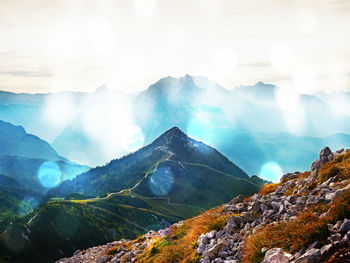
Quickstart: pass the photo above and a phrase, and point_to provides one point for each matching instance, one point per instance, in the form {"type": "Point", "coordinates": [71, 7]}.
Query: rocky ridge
{"type": "Point", "coordinates": [277, 203]}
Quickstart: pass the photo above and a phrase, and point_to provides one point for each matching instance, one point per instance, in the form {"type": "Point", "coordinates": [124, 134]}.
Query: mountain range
{"type": "Point", "coordinates": [51, 206]}
{"type": "Point", "coordinates": [173, 178]}
{"type": "Point", "coordinates": [26, 164]}
{"type": "Point", "coordinates": [242, 123]}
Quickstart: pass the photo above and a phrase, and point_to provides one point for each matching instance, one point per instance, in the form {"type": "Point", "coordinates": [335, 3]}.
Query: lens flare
{"type": "Point", "coordinates": [161, 181]}
{"type": "Point", "coordinates": [271, 171]}
{"type": "Point", "coordinates": [49, 174]}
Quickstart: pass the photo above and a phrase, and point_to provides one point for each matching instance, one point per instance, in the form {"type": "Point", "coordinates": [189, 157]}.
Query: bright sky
{"type": "Point", "coordinates": [129, 44]}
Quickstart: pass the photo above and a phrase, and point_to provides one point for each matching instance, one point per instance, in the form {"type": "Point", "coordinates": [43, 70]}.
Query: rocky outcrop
{"type": "Point", "coordinates": [326, 155]}
{"type": "Point", "coordinates": [295, 193]}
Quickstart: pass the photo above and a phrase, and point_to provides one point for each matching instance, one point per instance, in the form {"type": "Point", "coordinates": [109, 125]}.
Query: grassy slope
{"type": "Point", "coordinates": [198, 185]}
{"type": "Point", "coordinates": [69, 226]}
{"type": "Point", "coordinates": [180, 244]}
{"type": "Point", "coordinates": [25, 171]}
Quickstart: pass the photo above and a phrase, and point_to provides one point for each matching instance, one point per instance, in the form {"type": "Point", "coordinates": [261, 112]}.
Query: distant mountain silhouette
{"type": "Point", "coordinates": [241, 123]}
{"type": "Point", "coordinates": [22, 155]}
{"type": "Point", "coordinates": [14, 141]}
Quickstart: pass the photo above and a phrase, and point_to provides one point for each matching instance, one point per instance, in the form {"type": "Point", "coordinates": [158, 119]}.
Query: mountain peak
{"type": "Point", "coordinates": [102, 88]}
{"type": "Point", "coordinates": [173, 138]}
{"type": "Point", "coordinates": [261, 84]}
{"type": "Point", "coordinates": [175, 130]}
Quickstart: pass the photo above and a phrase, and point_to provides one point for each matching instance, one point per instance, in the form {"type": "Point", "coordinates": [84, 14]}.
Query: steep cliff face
{"type": "Point", "coordinates": [303, 218]}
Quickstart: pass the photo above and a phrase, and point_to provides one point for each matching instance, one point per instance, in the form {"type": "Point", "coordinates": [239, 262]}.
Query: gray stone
{"type": "Point", "coordinates": [104, 259]}
{"type": "Point", "coordinates": [120, 254]}
{"type": "Point", "coordinates": [310, 256]}
{"type": "Point", "coordinates": [325, 152]}
{"type": "Point", "coordinates": [291, 199]}
{"type": "Point", "coordinates": [256, 207]}
{"type": "Point", "coordinates": [334, 238]}
{"type": "Point", "coordinates": [280, 190]}
{"type": "Point", "coordinates": [256, 197]}
{"type": "Point", "coordinates": [201, 244]}
{"type": "Point", "coordinates": [315, 244]}
{"type": "Point", "coordinates": [325, 249]}
{"type": "Point", "coordinates": [211, 234]}
{"type": "Point", "coordinates": [237, 200]}
{"type": "Point", "coordinates": [223, 254]}
{"type": "Point", "coordinates": [275, 255]}
{"type": "Point", "coordinates": [128, 256]}
{"type": "Point", "coordinates": [312, 200]}
{"type": "Point", "coordinates": [345, 240]}
{"type": "Point", "coordinates": [231, 224]}
{"type": "Point", "coordinates": [345, 226]}
{"type": "Point", "coordinates": [212, 252]}
{"type": "Point", "coordinates": [275, 205]}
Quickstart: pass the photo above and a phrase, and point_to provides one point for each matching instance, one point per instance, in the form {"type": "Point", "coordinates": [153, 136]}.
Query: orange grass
{"type": "Point", "coordinates": [294, 235]}
{"type": "Point", "coordinates": [339, 166]}
{"type": "Point", "coordinates": [269, 188]}
{"type": "Point", "coordinates": [181, 243]}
